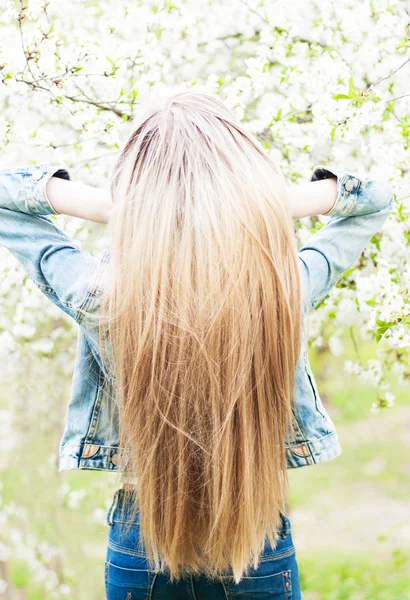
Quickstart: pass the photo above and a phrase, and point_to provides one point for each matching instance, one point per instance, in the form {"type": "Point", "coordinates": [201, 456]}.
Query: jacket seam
{"type": "Point", "coordinates": [86, 441]}
{"type": "Point", "coordinates": [288, 446]}
{"type": "Point", "coordinates": [93, 283]}
{"type": "Point", "coordinates": [311, 441]}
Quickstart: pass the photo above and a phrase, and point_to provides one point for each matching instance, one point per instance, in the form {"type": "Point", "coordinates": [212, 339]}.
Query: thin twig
{"type": "Point", "coordinates": [103, 107]}
{"type": "Point", "coordinates": [99, 105]}
{"type": "Point", "coordinates": [398, 98]}
{"type": "Point", "coordinates": [252, 10]}
{"type": "Point", "coordinates": [355, 346]}
{"type": "Point", "coordinates": [84, 162]}
{"type": "Point", "coordinates": [19, 19]}
{"type": "Point", "coordinates": [389, 75]}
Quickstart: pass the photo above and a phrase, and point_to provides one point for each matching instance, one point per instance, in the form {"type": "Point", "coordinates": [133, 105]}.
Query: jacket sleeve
{"type": "Point", "coordinates": [360, 210]}
{"type": "Point", "coordinates": [54, 261]}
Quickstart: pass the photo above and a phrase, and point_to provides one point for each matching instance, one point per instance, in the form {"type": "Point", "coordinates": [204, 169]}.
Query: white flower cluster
{"type": "Point", "coordinates": [384, 401]}
{"type": "Point", "coordinates": [371, 375]}
{"type": "Point", "coordinates": [36, 554]}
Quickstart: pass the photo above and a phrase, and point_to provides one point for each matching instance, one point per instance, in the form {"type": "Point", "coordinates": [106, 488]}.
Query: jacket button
{"type": "Point", "coordinates": [38, 174]}
{"type": "Point", "coordinates": [115, 459]}
{"type": "Point", "coordinates": [350, 183]}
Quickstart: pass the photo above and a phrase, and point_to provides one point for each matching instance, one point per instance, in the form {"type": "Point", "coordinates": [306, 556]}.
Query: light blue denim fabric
{"type": "Point", "coordinates": [74, 279]}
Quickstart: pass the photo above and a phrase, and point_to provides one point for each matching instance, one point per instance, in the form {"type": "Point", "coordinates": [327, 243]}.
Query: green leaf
{"type": "Point", "coordinates": [383, 326]}
{"type": "Point", "coordinates": [403, 44]}
{"type": "Point", "coordinates": [340, 97]}
{"type": "Point", "coordinates": [352, 89]}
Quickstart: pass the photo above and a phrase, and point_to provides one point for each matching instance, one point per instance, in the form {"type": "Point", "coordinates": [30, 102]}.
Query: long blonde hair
{"type": "Point", "coordinates": [204, 328]}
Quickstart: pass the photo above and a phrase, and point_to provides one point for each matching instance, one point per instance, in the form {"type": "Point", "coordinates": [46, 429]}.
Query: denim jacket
{"type": "Point", "coordinates": [75, 280]}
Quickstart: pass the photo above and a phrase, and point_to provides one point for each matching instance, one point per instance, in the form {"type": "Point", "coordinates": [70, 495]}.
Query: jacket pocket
{"type": "Point", "coordinates": [312, 384]}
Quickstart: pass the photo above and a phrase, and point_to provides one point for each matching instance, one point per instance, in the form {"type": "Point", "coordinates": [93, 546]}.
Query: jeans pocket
{"type": "Point", "coordinates": [128, 583]}
{"type": "Point", "coordinates": [268, 586]}
{"type": "Point", "coordinates": [127, 575]}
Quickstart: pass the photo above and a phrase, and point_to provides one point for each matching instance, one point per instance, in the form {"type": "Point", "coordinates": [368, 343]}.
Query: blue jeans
{"type": "Point", "coordinates": [129, 577]}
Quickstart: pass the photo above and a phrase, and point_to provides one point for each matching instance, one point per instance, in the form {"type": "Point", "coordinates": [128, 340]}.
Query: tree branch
{"type": "Point", "coordinates": [100, 105]}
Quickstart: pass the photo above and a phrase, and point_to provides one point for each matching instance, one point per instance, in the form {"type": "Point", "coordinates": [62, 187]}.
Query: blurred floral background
{"type": "Point", "coordinates": [319, 83]}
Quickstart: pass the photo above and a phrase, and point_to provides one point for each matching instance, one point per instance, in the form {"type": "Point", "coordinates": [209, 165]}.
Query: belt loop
{"type": "Point", "coordinates": [284, 529]}
{"type": "Point", "coordinates": [112, 509]}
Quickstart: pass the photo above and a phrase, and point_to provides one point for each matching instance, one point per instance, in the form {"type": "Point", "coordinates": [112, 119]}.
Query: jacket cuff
{"type": "Point", "coordinates": [36, 192]}
{"type": "Point", "coordinates": [348, 185]}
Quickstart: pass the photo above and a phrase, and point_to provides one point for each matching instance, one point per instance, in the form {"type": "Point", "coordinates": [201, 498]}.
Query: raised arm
{"type": "Point", "coordinates": [62, 270]}
{"type": "Point", "coordinates": [77, 199]}
{"type": "Point", "coordinates": [312, 198]}
{"type": "Point", "coordinates": [361, 208]}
